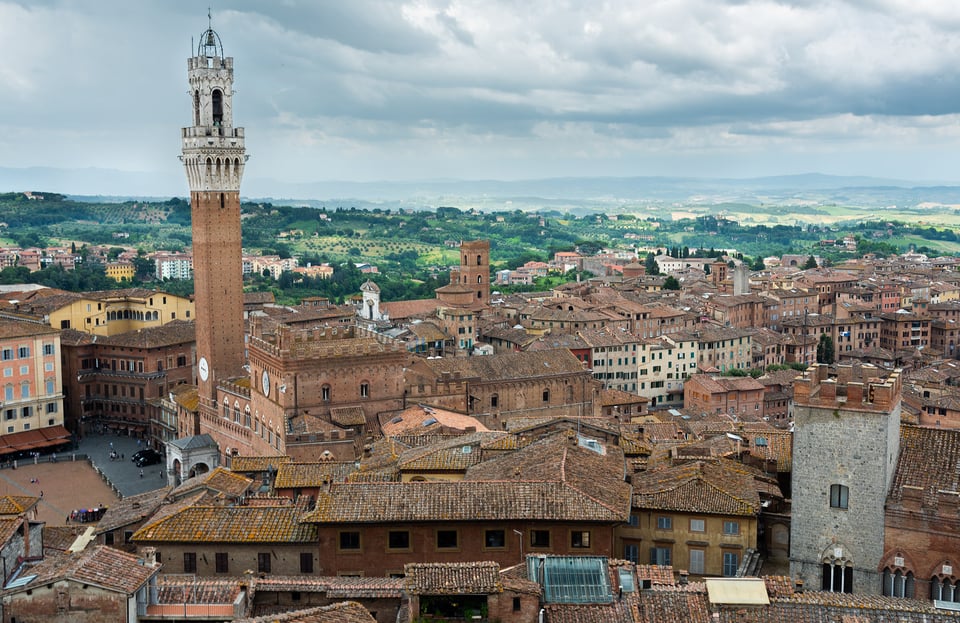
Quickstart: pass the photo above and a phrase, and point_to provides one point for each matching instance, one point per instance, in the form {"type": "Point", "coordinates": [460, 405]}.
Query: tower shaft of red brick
{"type": "Point", "coordinates": [213, 157]}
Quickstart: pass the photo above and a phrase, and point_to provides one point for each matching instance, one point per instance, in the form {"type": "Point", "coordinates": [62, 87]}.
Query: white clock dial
{"type": "Point", "coordinates": [203, 368]}
{"type": "Point", "coordinates": [265, 383]}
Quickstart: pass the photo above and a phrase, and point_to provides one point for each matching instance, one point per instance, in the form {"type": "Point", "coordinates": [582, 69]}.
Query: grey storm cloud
{"type": "Point", "coordinates": [491, 88]}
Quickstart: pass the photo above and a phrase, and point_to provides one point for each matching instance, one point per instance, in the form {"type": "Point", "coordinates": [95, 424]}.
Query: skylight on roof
{"type": "Point", "coordinates": [571, 579]}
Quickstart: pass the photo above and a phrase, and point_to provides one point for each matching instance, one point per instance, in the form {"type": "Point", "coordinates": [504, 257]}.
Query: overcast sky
{"type": "Point", "coordinates": [494, 89]}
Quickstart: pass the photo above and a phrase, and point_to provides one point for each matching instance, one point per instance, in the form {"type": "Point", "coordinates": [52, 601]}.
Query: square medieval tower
{"type": "Point", "coordinates": [214, 157]}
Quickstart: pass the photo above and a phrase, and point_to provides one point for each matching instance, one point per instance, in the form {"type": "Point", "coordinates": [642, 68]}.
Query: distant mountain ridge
{"type": "Point", "coordinates": [114, 185]}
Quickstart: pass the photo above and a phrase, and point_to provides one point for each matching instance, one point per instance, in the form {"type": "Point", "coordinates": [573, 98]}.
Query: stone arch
{"type": "Point", "coordinates": [198, 469]}
{"type": "Point", "coordinates": [217, 101]}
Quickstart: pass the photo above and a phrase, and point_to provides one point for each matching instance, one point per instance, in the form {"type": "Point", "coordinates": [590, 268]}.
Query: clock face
{"type": "Point", "coordinates": [265, 383]}
{"type": "Point", "coordinates": [203, 368]}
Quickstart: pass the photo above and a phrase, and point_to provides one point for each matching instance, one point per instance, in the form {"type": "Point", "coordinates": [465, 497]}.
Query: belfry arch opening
{"type": "Point", "coordinates": [217, 107]}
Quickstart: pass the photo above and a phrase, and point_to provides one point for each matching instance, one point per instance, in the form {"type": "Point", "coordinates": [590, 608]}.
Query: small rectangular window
{"type": "Point", "coordinates": [839, 495]}
{"type": "Point", "coordinates": [189, 562]}
{"type": "Point", "coordinates": [447, 539]}
{"type": "Point", "coordinates": [349, 540]}
{"type": "Point", "coordinates": [697, 525]}
{"type": "Point", "coordinates": [696, 561]}
{"type": "Point", "coordinates": [494, 539]}
{"type": "Point", "coordinates": [731, 562]}
{"type": "Point", "coordinates": [664, 523]}
{"type": "Point", "coordinates": [306, 562]}
{"type": "Point", "coordinates": [398, 539]}
{"type": "Point", "coordinates": [731, 527]}
{"type": "Point", "coordinates": [660, 556]}
{"type": "Point", "coordinates": [540, 538]}
{"type": "Point", "coordinates": [263, 562]}
{"type": "Point", "coordinates": [222, 564]}
{"type": "Point", "coordinates": [580, 539]}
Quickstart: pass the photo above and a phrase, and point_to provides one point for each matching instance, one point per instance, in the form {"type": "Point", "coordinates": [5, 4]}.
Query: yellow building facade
{"type": "Point", "coordinates": [110, 312]}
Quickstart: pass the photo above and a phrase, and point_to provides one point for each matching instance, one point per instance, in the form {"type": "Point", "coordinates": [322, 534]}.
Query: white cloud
{"type": "Point", "coordinates": [376, 89]}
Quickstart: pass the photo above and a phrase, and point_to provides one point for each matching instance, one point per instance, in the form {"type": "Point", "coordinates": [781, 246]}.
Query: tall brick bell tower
{"type": "Point", "coordinates": [213, 157]}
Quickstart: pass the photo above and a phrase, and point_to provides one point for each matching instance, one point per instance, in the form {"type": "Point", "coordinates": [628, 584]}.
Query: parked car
{"type": "Point", "coordinates": [149, 457]}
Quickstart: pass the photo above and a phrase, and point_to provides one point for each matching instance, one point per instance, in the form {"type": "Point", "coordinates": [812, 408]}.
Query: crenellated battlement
{"type": "Point", "coordinates": [853, 387]}
{"type": "Point", "coordinates": [209, 62]}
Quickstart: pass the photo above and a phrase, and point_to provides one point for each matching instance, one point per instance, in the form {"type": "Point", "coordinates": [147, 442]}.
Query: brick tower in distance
{"type": "Point", "coordinates": [214, 157]}
{"type": "Point", "coordinates": [475, 269]}
{"type": "Point", "coordinates": [846, 441]}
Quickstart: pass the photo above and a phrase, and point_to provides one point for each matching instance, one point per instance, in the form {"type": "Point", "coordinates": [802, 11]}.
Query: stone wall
{"type": "Point", "coordinates": [846, 433]}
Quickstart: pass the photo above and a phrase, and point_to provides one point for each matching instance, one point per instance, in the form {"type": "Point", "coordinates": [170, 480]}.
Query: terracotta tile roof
{"type": "Point", "coordinates": [460, 501]}
{"type": "Point", "coordinates": [334, 587]}
{"type": "Point", "coordinates": [633, 446]}
{"type": "Point", "coordinates": [697, 487]}
{"type": "Point", "coordinates": [559, 459]}
{"type": "Point", "coordinates": [229, 524]}
{"type": "Point", "coordinates": [616, 612]}
{"type": "Point", "coordinates": [928, 461]}
{"type": "Point", "coordinates": [452, 578]}
{"type": "Point", "coordinates": [302, 475]}
{"type": "Point", "coordinates": [131, 510]}
{"type": "Point", "coordinates": [344, 612]}
{"type": "Point", "coordinates": [398, 310]}
{"type": "Point", "coordinates": [779, 585]}
{"type": "Point", "coordinates": [8, 525]}
{"type": "Point", "coordinates": [674, 604]}
{"type": "Point", "coordinates": [100, 565]}
{"type": "Point", "coordinates": [190, 589]}
{"type": "Point", "coordinates": [22, 328]}
{"type": "Point", "coordinates": [58, 539]}
{"type": "Point", "coordinates": [256, 464]}
{"type": "Point", "coordinates": [503, 443]}
{"type": "Point", "coordinates": [774, 444]}
{"type": "Point", "coordinates": [658, 575]}
{"type": "Point", "coordinates": [419, 417]}
{"type": "Point", "coordinates": [382, 453]}
{"type": "Point", "coordinates": [17, 504]}
{"type": "Point", "coordinates": [348, 416]}
{"type": "Point", "coordinates": [221, 480]}
{"type": "Point", "coordinates": [506, 366]}
{"type": "Point", "coordinates": [455, 453]}
{"type": "Point", "coordinates": [187, 396]}
{"type": "Point", "coordinates": [521, 425]}
{"type": "Point", "coordinates": [386, 474]}
{"type": "Point", "coordinates": [173, 332]}
{"type": "Point", "coordinates": [825, 606]}
{"type": "Point", "coordinates": [609, 396]}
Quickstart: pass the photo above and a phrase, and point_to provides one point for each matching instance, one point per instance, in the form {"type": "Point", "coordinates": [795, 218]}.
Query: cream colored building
{"type": "Point", "coordinates": [110, 312]}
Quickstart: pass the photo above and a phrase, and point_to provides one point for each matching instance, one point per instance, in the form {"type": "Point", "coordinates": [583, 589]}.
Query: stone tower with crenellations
{"type": "Point", "coordinates": [846, 442]}
{"type": "Point", "coordinates": [214, 157]}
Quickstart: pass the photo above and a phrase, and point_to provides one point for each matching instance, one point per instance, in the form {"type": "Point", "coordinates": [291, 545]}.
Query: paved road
{"type": "Point", "coordinates": [122, 473]}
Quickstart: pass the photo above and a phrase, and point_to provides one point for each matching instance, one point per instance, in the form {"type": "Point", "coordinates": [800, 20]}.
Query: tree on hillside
{"type": "Point", "coordinates": [651, 264]}
{"type": "Point", "coordinates": [810, 263]}
{"type": "Point", "coordinates": [671, 283]}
